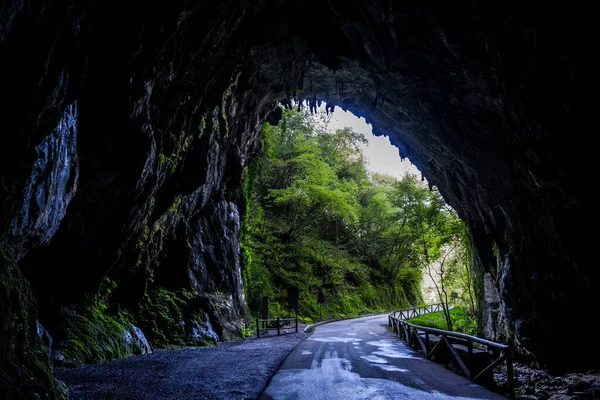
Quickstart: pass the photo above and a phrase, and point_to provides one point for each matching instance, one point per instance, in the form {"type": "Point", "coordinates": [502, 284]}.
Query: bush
{"type": "Point", "coordinates": [461, 321]}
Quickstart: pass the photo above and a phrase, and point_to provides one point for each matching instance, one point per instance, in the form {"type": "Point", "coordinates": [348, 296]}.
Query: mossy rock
{"type": "Point", "coordinates": [161, 317]}
{"type": "Point", "coordinates": [25, 370]}
{"type": "Point", "coordinates": [94, 335]}
{"type": "Point", "coordinates": [175, 319]}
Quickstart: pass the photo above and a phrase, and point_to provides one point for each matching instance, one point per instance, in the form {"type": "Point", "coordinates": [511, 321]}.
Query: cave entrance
{"type": "Point", "coordinates": [334, 211]}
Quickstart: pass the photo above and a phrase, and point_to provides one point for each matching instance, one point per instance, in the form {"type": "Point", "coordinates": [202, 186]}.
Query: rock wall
{"type": "Point", "coordinates": [126, 130]}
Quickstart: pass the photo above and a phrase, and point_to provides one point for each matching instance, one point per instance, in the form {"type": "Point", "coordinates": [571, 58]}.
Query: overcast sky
{"type": "Point", "coordinates": [381, 155]}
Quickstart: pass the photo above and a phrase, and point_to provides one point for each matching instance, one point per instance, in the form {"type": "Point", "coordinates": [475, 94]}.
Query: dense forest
{"type": "Point", "coordinates": [317, 223]}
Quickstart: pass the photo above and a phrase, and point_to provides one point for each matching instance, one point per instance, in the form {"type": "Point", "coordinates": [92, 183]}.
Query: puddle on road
{"type": "Point", "coordinates": [387, 348]}
{"type": "Point", "coordinates": [335, 339]}
{"type": "Point", "coordinates": [391, 368]}
{"type": "Point", "coordinates": [374, 359]}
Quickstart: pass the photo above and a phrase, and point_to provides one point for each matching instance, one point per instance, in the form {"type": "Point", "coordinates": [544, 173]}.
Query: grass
{"type": "Point", "coordinates": [461, 320]}
{"type": "Point", "coordinates": [95, 336]}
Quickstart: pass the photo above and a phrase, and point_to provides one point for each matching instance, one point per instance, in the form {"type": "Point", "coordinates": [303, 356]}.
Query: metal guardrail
{"type": "Point", "coordinates": [419, 336]}
{"type": "Point", "coordinates": [278, 324]}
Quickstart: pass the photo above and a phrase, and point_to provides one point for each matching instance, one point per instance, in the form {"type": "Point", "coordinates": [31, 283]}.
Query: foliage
{"type": "Point", "coordinates": [462, 321]}
{"type": "Point", "coordinates": [161, 317]}
{"type": "Point", "coordinates": [451, 272]}
{"type": "Point", "coordinates": [95, 335]}
{"type": "Point", "coordinates": [248, 331]}
{"type": "Point", "coordinates": [314, 219]}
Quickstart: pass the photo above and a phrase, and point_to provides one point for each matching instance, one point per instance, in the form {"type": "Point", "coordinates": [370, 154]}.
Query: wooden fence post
{"type": "Point", "coordinates": [257, 328]}
{"type": "Point", "coordinates": [509, 373]}
{"type": "Point", "coordinates": [296, 323]}
{"type": "Point", "coordinates": [470, 359]}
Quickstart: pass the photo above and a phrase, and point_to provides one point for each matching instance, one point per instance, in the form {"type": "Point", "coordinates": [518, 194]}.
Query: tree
{"type": "Point", "coordinates": [319, 222]}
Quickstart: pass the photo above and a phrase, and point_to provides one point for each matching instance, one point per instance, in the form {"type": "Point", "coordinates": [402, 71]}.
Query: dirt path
{"type": "Point", "coordinates": [234, 370]}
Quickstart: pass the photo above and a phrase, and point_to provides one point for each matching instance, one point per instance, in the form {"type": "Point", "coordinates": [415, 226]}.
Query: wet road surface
{"type": "Point", "coordinates": [360, 359]}
{"type": "Point", "coordinates": [233, 370]}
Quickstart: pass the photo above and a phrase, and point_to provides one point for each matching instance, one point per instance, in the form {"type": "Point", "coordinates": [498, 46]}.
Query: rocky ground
{"type": "Point", "coordinates": [536, 384]}
{"type": "Point", "coordinates": [237, 370]}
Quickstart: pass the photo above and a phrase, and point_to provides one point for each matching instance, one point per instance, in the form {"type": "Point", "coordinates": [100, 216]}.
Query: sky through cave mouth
{"type": "Point", "coordinates": [381, 155]}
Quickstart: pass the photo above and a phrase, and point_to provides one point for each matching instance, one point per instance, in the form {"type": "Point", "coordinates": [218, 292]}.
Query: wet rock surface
{"type": "Point", "coordinates": [233, 370]}
{"type": "Point", "coordinates": [536, 384]}
{"type": "Point", "coordinates": [50, 187]}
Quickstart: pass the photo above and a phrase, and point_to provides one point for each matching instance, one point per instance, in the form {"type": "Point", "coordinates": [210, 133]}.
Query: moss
{"type": "Point", "coordinates": [161, 317]}
{"type": "Point", "coordinates": [25, 371]}
{"type": "Point", "coordinates": [175, 206]}
{"type": "Point", "coordinates": [107, 287]}
{"type": "Point", "coordinates": [226, 95]}
{"type": "Point", "coordinates": [225, 98]}
{"type": "Point", "coordinates": [201, 127]}
{"type": "Point", "coordinates": [169, 162]}
{"type": "Point", "coordinates": [94, 335]}
{"type": "Point", "coordinates": [158, 228]}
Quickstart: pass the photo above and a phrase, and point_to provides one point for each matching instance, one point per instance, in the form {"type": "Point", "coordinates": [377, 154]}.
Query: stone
{"type": "Point", "coordinates": [136, 339]}
{"type": "Point", "coordinates": [201, 332]}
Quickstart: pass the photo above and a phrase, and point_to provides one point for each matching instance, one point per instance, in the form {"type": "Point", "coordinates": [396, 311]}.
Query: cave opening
{"type": "Point", "coordinates": [351, 224]}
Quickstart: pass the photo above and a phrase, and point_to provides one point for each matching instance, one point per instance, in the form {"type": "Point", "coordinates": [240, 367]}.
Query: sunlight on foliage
{"type": "Point", "coordinates": [315, 219]}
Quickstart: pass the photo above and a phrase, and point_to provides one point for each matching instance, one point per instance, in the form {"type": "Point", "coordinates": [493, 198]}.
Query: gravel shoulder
{"type": "Point", "coordinates": [237, 370]}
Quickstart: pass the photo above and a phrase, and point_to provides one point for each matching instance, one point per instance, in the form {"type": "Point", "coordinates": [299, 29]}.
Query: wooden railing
{"type": "Point", "coordinates": [416, 311]}
{"type": "Point", "coordinates": [272, 324]}
{"type": "Point", "coordinates": [432, 341]}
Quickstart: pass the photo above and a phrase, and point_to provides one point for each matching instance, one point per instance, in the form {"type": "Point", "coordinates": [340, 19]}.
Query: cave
{"type": "Point", "coordinates": [126, 130]}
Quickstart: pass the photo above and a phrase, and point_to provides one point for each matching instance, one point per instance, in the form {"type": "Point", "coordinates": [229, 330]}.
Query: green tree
{"type": "Point", "coordinates": [316, 220]}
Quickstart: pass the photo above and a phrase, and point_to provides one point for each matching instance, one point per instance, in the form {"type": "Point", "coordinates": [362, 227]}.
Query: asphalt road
{"type": "Point", "coordinates": [234, 370]}
{"type": "Point", "coordinates": [360, 359]}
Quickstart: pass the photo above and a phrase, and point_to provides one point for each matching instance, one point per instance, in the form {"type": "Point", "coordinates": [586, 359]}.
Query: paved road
{"type": "Point", "coordinates": [360, 359]}
{"type": "Point", "coordinates": [231, 371]}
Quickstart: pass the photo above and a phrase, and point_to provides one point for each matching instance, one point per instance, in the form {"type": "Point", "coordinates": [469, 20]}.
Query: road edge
{"type": "Point", "coordinates": [270, 378]}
